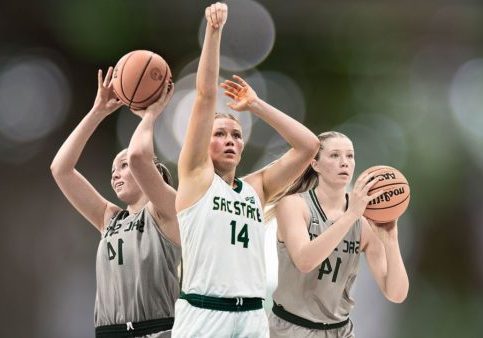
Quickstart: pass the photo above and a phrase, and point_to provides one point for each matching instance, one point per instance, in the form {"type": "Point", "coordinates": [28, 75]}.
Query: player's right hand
{"type": "Point", "coordinates": [359, 198]}
{"type": "Point", "coordinates": [216, 15]}
{"type": "Point", "coordinates": [106, 100]}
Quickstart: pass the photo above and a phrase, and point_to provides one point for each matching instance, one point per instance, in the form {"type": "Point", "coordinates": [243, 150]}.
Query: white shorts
{"type": "Point", "coordinates": [191, 322]}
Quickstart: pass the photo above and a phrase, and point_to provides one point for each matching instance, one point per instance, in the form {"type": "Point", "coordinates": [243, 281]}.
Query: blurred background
{"type": "Point", "coordinates": [403, 79]}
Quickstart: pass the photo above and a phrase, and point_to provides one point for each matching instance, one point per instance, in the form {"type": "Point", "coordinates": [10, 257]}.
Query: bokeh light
{"type": "Point", "coordinates": [35, 96]}
{"type": "Point", "coordinates": [248, 36]}
{"type": "Point", "coordinates": [378, 140]}
{"type": "Point", "coordinates": [466, 99]}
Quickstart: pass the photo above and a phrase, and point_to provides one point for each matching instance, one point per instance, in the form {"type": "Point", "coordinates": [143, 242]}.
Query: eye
{"type": "Point", "coordinates": [334, 155]}
{"type": "Point", "coordinates": [237, 135]}
{"type": "Point", "coordinates": [218, 133]}
{"type": "Point", "coordinates": [350, 156]}
{"type": "Point", "coordinates": [124, 165]}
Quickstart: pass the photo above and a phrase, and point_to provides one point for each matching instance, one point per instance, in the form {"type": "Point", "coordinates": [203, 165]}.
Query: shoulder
{"type": "Point", "coordinates": [294, 203]}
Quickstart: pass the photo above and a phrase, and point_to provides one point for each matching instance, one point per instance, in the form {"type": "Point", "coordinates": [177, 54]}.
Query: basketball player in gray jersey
{"type": "Point", "coordinates": [139, 251]}
{"type": "Point", "coordinates": [220, 215]}
{"type": "Point", "coordinates": [321, 234]}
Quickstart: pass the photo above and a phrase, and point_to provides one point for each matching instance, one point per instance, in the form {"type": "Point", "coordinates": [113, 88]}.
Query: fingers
{"type": "Point", "coordinates": [99, 77]}
{"type": "Point", "coordinates": [242, 82]}
{"type": "Point", "coordinates": [216, 14]}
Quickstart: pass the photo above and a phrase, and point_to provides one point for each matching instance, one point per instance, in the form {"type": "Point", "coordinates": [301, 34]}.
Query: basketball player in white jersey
{"type": "Point", "coordinates": [138, 254]}
{"type": "Point", "coordinates": [221, 215]}
{"type": "Point", "coordinates": [321, 234]}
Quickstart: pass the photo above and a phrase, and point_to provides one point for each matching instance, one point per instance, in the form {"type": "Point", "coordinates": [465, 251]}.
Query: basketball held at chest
{"type": "Point", "coordinates": [395, 199]}
{"type": "Point", "coordinates": [139, 78]}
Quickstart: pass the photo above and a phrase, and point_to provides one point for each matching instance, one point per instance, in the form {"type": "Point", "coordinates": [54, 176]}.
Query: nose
{"type": "Point", "coordinates": [229, 140]}
{"type": "Point", "coordinates": [115, 174]}
{"type": "Point", "coordinates": [344, 162]}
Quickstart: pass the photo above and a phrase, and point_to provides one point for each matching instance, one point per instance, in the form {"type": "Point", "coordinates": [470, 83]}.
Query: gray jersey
{"type": "Point", "coordinates": [322, 295]}
{"type": "Point", "coordinates": [136, 270]}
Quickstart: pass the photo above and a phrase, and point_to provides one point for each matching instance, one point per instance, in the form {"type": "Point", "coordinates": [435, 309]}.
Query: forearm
{"type": "Point", "coordinates": [208, 68]}
{"type": "Point", "coordinates": [141, 145]}
{"type": "Point", "coordinates": [70, 151]}
{"type": "Point", "coordinates": [294, 132]}
{"type": "Point", "coordinates": [396, 281]}
{"type": "Point", "coordinates": [317, 250]}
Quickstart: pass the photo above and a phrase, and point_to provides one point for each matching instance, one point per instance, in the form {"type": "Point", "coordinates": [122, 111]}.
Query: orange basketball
{"type": "Point", "coordinates": [139, 77]}
{"type": "Point", "coordinates": [395, 199]}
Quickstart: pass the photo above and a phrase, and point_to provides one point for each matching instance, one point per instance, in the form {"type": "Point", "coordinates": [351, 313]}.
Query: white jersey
{"type": "Point", "coordinates": [222, 236]}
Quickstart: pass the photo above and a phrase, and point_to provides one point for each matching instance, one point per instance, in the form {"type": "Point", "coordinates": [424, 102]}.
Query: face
{"type": "Point", "coordinates": [122, 181]}
{"type": "Point", "coordinates": [336, 161]}
{"type": "Point", "coordinates": [226, 144]}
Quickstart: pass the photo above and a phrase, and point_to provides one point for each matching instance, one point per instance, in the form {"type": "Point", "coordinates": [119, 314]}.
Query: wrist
{"type": "Point", "coordinates": [254, 104]}
{"type": "Point", "coordinates": [99, 112]}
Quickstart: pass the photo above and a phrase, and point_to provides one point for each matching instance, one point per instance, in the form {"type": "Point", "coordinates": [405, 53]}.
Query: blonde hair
{"type": "Point", "coordinates": [308, 180]}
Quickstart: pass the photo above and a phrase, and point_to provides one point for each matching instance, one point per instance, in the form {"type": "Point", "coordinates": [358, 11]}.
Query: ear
{"type": "Point", "coordinates": [315, 165]}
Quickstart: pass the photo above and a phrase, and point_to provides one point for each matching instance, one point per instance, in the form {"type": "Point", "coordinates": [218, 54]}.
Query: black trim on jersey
{"type": "Point", "coordinates": [239, 185]}
{"type": "Point", "coordinates": [135, 329]}
{"type": "Point", "coordinates": [315, 200]}
{"type": "Point", "coordinates": [280, 312]}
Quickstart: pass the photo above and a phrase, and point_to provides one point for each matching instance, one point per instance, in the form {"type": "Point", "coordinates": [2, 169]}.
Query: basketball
{"type": "Point", "coordinates": [394, 201]}
{"type": "Point", "coordinates": [139, 77]}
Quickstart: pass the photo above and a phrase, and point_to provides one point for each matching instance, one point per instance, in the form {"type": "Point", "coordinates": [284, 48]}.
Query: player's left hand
{"type": "Point", "coordinates": [240, 91]}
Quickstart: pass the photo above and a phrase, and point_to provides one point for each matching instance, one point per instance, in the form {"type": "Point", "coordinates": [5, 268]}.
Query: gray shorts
{"type": "Point", "coordinates": [280, 328]}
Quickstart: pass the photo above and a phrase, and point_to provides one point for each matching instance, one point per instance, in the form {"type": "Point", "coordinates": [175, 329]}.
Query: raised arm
{"type": "Point", "coordinates": [381, 246]}
{"type": "Point", "coordinates": [275, 177]}
{"type": "Point", "coordinates": [293, 215]}
{"type": "Point", "coordinates": [195, 169]}
{"type": "Point", "coordinates": [80, 193]}
{"type": "Point", "coordinates": [140, 159]}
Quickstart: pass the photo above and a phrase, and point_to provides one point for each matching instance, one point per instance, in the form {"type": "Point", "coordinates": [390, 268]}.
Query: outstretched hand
{"type": "Point", "coordinates": [160, 104]}
{"type": "Point", "coordinates": [216, 15]}
{"type": "Point", "coordinates": [240, 92]}
{"type": "Point", "coordinates": [106, 100]}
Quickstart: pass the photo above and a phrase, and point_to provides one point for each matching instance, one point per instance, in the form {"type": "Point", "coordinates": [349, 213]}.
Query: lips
{"type": "Point", "coordinates": [118, 184]}
{"type": "Point", "coordinates": [230, 151]}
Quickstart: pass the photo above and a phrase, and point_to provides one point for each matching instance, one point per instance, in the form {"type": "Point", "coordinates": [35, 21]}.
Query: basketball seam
{"type": "Point", "coordinates": [382, 186]}
{"type": "Point", "coordinates": [121, 71]}
{"type": "Point", "coordinates": [160, 87]}
{"type": "Point", "coordinates": [139, 80]}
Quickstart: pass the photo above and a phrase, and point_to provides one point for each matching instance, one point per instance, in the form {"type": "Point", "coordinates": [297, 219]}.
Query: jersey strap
{"type": "Point", "coordinates": [222, 304]}
{"type": "Point", "coordinates": [279, 311]}
{"type": "Point", "coordinates": [135, 329]}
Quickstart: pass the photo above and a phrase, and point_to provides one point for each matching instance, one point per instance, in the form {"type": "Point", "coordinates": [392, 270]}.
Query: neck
{"type": "Point", "coordinates": [331, 197]}
{"type": "Point", "coordinates": [228, 177]}
{"type": "Point", "coordinates": [134, 208]}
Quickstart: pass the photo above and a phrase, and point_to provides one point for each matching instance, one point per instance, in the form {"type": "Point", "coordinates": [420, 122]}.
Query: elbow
{"type": "Point", "coordinates": [313, 145]}
{"type": "Point", "coordinates": [398, 298]}
{"type": "Point", "coordinates": [304, 266]}
{"type": "Point", "coordinates": [56, 169]}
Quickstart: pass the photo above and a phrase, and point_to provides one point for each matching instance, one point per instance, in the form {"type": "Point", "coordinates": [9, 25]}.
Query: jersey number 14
{"type": "Point", "coordinates": [242, 236]}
